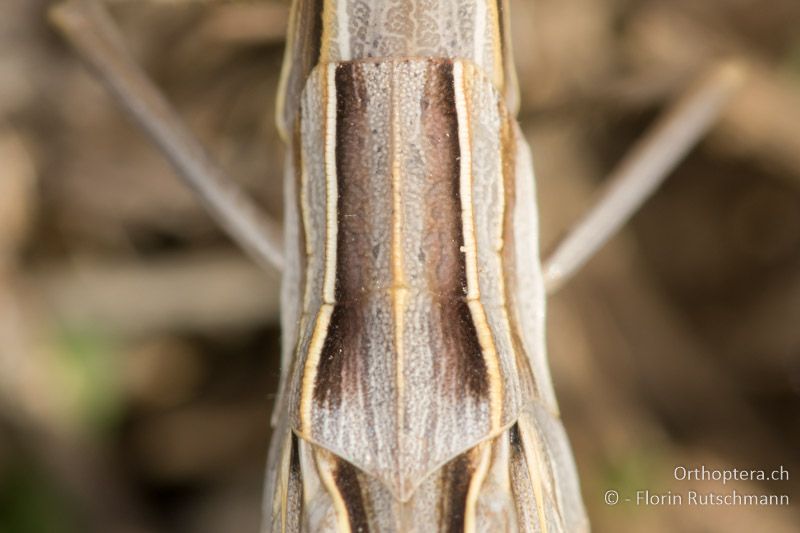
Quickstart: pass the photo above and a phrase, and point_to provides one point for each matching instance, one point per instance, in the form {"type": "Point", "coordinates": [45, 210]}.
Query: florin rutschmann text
{"type": "Point", "coordinates": [692, 497]}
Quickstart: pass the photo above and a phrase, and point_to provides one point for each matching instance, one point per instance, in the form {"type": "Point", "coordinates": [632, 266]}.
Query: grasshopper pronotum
{"type": "Point", "coordinates": [415, 391]}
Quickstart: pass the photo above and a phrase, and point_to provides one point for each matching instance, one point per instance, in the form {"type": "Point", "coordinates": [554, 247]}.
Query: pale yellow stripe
{"type": "Point", "coordinates": [312, 363]}
{"type": "Point", "coordinates": [533, 460]}
{"type": "Point", "coordinates": [305, 213]}
{"type": "Point", "coordinates": [465, 177]}
{"type": "Point", "coordinates": [489, 351]}
{"type": "Point", "coordinates": [326, 475]}
{"type": "Point", "coordinates": [286, 457]}
{"type": "Point", "coordinates": [326, 39]}
{"type": "Point", "coordinates": [399, 288]}
{"type": "Point", "coordinates": [331, 187]}
{"type": "Point", "coordinates": [485, 339]}
{"type": "Point", "coordinates": [329, 278]}
{"type": "Point", "coordinates": [475, 484]}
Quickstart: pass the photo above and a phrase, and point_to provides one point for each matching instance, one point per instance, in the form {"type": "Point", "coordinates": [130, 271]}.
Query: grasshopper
{"type": "Point", "coordinates": [415, 392]}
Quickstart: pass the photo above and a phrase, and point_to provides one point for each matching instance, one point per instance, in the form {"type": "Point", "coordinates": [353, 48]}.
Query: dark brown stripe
{"type": "Point", "coordinates": [294, 491]}
{"type": "Point", "coordinates": [443, 236]}
{"type": "Point", "coordinates": [467, 354]}
{"type": "Point", "coordinates": [294, 459]}
{"type": "Point", "coordinates": [460, 361]}
{"type": "Point", "coordinates": [312, 39]}
{"type": "Point", "coordinates": [456, 477]}
{"type": "Point", "coordinates": [514, 439]}
{"type": "Point", "coordinates": [346, 340]}
{"type": "Point", "coordinates": [521, 484]}
{"type": "Point", "coordinates": [328, 383]}
{"type": "Point", "coordinates": [346, 478]}
{"type": "Point", "coordinates": [356, 268]}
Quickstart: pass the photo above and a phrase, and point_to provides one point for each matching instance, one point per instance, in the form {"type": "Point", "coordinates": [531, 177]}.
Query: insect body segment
{"type": "Point", "coordinates": [415, 391]}
{"type": "Point", "coordinates": [400, 366]}
{"type": "Point", "coordinates": [334, 31]}
{"type": "Point", "coordinates": [416, 394]}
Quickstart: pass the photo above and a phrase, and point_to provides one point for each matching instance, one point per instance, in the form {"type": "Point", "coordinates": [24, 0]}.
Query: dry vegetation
{"type": "Point", "coordinates": [138, 347]}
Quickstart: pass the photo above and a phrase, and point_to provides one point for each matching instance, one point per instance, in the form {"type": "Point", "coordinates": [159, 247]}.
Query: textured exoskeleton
{"type": "Point", "coordinates": [415, 389]}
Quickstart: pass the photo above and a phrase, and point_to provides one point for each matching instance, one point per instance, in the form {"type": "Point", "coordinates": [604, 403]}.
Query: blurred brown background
{"type": "Point", "coordinates": [138, 346]}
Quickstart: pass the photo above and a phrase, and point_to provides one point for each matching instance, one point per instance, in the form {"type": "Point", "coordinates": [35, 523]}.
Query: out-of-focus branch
{"type": "Point", "coordinates": [640, 173]}
{"type": "Point", "coordinates": [90, 29]}
{"type": "Point", "coordinates": [194, 292]}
